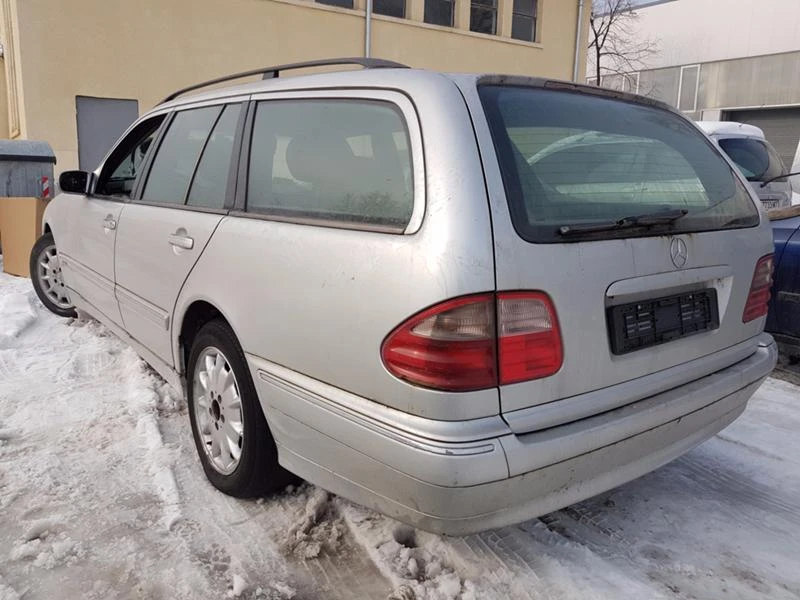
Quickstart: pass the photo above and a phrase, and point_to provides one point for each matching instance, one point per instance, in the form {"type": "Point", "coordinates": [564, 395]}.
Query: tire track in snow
{"type": "Point", "coordinates": [77, 469]}
{"type": "Point", "coordinates": [738, 489]}
{"type": "Point", "coordinates": [282, 543]}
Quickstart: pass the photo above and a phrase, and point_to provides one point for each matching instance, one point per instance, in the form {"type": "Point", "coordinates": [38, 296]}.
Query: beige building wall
{"type": "Point", "coordinates": [3, 101]}
{"type": "Point", "coordinates": [144, 50]}
{"type": "Point", "coordinates": [11, 121]}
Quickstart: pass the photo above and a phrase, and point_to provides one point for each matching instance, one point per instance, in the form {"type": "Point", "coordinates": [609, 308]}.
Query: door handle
{"type": "Point", "coordinates": [109, 223]}
{"type": "Point", "coordinates": [181, 241]}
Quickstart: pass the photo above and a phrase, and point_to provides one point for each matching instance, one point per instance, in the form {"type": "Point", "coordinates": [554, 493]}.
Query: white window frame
{"type": "Point", "coordinates": [631, 76]}
{"type": "Point", "coordinates": [696, 88]}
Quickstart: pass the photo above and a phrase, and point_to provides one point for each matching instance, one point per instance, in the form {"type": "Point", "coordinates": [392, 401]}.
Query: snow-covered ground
{"type": "Point", "coordinates": [102, 496]}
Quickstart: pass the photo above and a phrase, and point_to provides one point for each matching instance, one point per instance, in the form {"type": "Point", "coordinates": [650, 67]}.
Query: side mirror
{"type": "Point", "coordinates": [75, 182]}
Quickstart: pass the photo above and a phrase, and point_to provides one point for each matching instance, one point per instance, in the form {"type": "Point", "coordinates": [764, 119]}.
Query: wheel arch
{"type": "Point", "coordinates": [189, 321]}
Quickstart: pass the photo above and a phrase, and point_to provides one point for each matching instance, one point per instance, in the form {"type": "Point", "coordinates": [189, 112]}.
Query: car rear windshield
{"type": "Point", "coordinates": [756, 159]}
{"type": "Point", "coordinates": [577, 166]}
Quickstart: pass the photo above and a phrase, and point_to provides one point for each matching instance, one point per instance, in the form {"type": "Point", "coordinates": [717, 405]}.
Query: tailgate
{"type": "Point", "coordinates": [633, 223]}
{"type": "Point", "coordinates": [587, 281]}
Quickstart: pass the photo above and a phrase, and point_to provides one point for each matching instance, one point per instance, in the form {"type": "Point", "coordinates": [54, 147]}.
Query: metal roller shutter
{"type": "Point", "coordinates": [780, 125]}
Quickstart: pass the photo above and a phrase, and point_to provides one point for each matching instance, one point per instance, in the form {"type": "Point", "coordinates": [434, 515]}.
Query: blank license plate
{"type": "Point", "coordinates": [648, 323]}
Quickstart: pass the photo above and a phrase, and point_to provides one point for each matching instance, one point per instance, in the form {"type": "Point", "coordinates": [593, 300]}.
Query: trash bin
{"type": "Point", "coordinates": [26, 180]}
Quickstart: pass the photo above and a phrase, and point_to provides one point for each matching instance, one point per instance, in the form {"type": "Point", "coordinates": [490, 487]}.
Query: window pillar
{"type": "Point", "coordinates": [415, 9]}
{"type": "Point", "coordinates": [462, 12]}
{"type": "Point", "coordinates": [504, 11]}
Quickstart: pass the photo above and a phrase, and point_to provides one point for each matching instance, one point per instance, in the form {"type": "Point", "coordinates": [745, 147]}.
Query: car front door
{"type": "Point", "coordinates": [86, 244]}
{"type": "Point", "coordinates": [171, 217]}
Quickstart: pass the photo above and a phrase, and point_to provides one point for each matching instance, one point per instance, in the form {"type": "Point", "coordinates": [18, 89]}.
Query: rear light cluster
{"type": "Point", "coordinates": [758, 299]}
{"type": "Point", "coordinates": [477, 342]}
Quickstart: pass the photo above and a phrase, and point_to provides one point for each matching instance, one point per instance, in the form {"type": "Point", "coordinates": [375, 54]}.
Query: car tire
{"type": "Point", "coordinates": [47, 279]}
{"type": "Point", "coordinates": [232, 438]}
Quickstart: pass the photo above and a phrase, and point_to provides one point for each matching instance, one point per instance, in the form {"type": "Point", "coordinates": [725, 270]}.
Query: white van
{"type": "Point", "coordinates": [756, 158]}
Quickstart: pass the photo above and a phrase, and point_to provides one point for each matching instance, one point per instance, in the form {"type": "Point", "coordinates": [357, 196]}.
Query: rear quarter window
{"type": "Point", "coordinates": [343, 163]}
{"type": "Point", "coordinates": [757, 160]}
{"type": "Point", "coordinates": [570, 159]}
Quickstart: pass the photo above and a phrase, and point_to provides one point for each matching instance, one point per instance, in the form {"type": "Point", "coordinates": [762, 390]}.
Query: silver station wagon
{"type": "Point", "coordinates": [461, 300]}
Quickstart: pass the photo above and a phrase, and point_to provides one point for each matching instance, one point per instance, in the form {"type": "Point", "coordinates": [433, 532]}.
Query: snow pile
{"type": "Point", "coordinates": [6, 434]}
{"type": "Point", "coordinates": [17, 315]}
{"type": "Point", "coordinates": [319, 530]}
{"type": "Point", "coordinates": [49, 552]}
{"type": "Point", "coordinates": [46, 545]}
{"type": "Point", "coordinates": [143, 404]}
{"type": "Point", "coordinates": [238, 586]}
{"type": "Point", "coordinates": [414, 561]}
{"type": "Point", "coordinates": [6, 592]}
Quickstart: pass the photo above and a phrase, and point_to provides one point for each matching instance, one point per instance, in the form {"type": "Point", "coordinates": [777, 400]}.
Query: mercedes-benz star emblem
{"type": "Point", "coordinates": [678, 252]}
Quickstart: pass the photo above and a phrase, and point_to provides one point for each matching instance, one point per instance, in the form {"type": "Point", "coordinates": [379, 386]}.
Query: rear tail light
{"type": "Point", "coordinates": [477, 342]}
{"type": "Point", "coordinates": [529, 340]}
{"type": "Point", "coordinates": [758, 299]}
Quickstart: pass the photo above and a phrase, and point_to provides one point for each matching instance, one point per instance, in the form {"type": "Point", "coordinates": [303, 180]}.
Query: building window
{"type": "Point", "coordinates": [390, 8]}
{"type": "Point", "coordinates": [339, 3]}
{"type": "Point", "coordinates": [523, 20]}
{"type": "Point", "coordinates": [688, 87]}
{"type": "Point", "coordinates": [439, 12]}
{"type": "Point", "coordinates": [622, 82]}
{"type": "Point", "coordinates": [483, 16]}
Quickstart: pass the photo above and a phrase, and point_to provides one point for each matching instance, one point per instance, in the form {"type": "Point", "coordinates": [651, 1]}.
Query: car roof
{"type": "Point", "coordinates": [403, 79]}
{"type": "Point", "coordinates": [400, 78]}
{"type": "Point", "coordinates": [730, 128]}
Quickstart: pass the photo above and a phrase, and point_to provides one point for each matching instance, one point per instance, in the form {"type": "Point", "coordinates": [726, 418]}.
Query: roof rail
{"type": "Point", "coordinates": [272, 72]}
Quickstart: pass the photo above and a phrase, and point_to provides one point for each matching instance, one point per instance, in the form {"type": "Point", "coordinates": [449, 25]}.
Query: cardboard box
{"type": "Point", "coordinates": [20, 227]}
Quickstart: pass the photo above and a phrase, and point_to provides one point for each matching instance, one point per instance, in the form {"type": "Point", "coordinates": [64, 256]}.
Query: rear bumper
{"type": "Point", "coordinates": [429, 475]}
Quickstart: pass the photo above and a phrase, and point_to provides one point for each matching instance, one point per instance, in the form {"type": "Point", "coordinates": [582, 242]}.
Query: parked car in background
{"type": "Point", "coordinates": [784, 305]}
{"type": "Point", "coordinates": [756, 158]}
{"type": "Point", "coordinates": [360, 278]}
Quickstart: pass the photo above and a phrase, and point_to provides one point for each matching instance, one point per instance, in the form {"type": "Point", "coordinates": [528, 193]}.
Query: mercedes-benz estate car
{"type": "Point", "coordinates": [361, 278]}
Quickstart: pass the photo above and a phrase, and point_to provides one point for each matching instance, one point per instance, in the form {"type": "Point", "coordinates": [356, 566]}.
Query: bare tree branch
{"type": "Point", "coordinates": [615, 48]}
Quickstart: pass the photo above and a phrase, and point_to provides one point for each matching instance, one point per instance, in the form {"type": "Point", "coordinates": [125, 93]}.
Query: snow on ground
{"type": "Point", "coordinates": [102, 496]}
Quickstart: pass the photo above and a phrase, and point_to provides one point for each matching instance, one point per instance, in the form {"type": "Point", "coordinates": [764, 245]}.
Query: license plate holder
{"type": "Point", "coordinates": [656, 321]}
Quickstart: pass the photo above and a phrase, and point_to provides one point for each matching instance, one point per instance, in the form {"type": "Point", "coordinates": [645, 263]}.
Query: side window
{"type": "Point", "coordinates": [345, 161]}
{"type": "Point", "coordinates": [211, 178]}
{"type": "Point", "coordinates": [125, 163]}
{"type": "Point", "coordinates": [177, 155]}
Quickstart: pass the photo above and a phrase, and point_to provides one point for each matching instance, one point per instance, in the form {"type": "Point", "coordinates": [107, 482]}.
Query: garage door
{"type": "Point", "coordinates": [780, 125]}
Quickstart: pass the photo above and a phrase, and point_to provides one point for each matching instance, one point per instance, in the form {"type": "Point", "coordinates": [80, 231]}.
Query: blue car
{"type": "Point", "coordinates": [783, 321]}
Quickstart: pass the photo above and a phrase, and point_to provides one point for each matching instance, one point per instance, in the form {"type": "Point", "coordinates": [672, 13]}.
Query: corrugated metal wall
{"type": "Point", "coordinates": [761, 90]}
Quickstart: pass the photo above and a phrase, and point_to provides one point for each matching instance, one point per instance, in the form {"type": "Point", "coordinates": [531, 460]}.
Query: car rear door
{"type": "Point", "coordinates": [173, 214]}
{"type": "Point", "coordinates": [86, 243]}
{"type": "Point", "coordinates": [628, 302]}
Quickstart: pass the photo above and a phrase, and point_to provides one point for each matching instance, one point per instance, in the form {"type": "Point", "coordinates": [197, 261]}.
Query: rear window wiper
{"type": "Point", "coordinates": [768, 181]}
{"type": "Point", "coordinates": [664, 217]}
